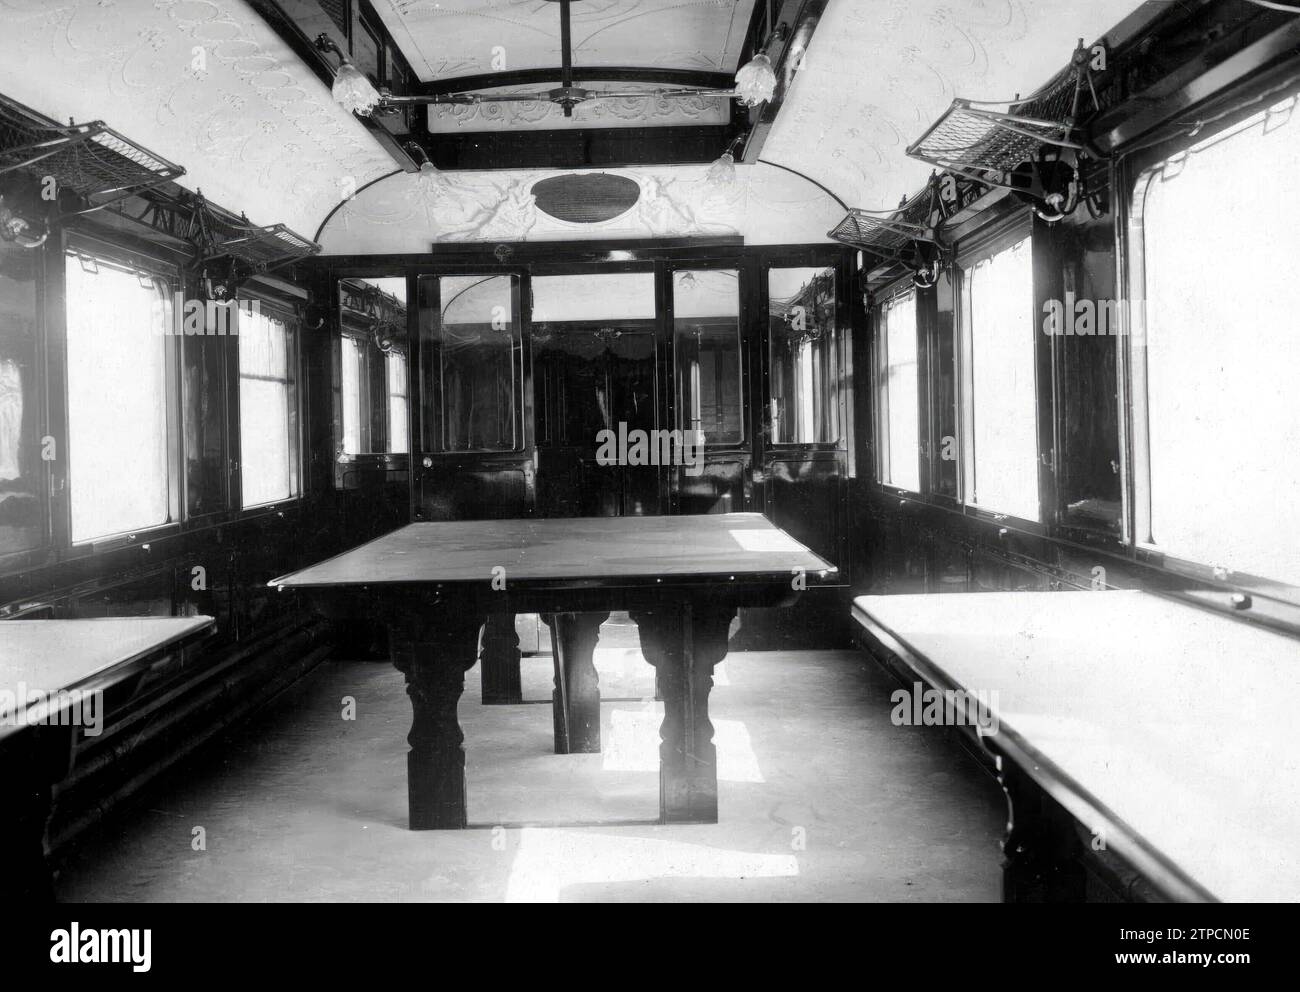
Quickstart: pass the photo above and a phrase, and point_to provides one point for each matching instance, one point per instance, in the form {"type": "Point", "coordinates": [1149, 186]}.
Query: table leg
{"type": "Point", "coordinates": [32, 762]}
{"type": "Point", "coordinates": [684, 642]}
{"type": "Point", "coordinates": [435, 654]}
{"type": "Point", "coordinates": [576, 699]}
{"type": "Point", "coordinates": [499, 658]}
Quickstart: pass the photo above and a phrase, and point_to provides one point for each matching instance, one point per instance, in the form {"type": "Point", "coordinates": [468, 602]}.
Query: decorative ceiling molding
{"type": "Point", "coordinates": [204, 82]}
{"type": "Point", "coordinates": [460, 37]}
{"type": "Point", "coordinates": [538, 115]}
{"type": "Point", "coordinates": [406, 212]}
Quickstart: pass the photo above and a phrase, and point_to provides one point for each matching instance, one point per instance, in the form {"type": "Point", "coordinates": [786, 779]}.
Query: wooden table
{"type": "Point", "coordinates": [43, 663]}
{"type": "Point", "coordinates": [681, 578]}
{"type": "Point", "coordinates": [1167, 732]}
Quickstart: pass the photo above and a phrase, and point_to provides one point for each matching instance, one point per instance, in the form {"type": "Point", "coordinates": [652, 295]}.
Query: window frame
{"type": "Point", "coordinates": [391, 461]}
{"type": "Point", "coordinates": [80, 244]}
{"type": "Point", "coordinates": [520, 359]}
{"type": "Point", "coordinates": [879, 383]}
{"type": "Point", "coordinates": [288, 315]}
{"type": "Point", "coordinates": [1135, 170]}
{"type": "Point", "coordinates": [843, 335]}
{"type": "Point", "coordinates": [990, 240]}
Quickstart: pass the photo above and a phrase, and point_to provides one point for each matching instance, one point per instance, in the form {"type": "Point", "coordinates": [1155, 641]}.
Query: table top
{"type": "Point", "coordinates": [669, 549]}
{"type": "Point", "coordinates": [49, 655]}
{"type": "Point", "coordinates": [1179, 722]}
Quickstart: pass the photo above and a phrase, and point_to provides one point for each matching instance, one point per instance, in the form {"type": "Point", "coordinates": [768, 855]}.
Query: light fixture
{"type": "Point", "coordinates": [722, 173]}
{"type": "Point", "coordinates": [756, 81]}
{"type": "Point", "coordinates": [351, 90]}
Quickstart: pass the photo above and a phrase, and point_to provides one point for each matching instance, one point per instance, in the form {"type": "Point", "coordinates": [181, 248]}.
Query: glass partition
{"type": "Point", "coordinates": [805, 356]}
{"type": "Point", "coordinates": [373, 329]}
{"type": "Point", "coordinates": [472, 367]}
{"type": "Point", "coordinates": [706, 350]}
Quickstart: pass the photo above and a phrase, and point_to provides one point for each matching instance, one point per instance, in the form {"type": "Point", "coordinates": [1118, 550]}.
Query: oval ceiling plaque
{"type": "Point", "coordinates": [586, 199]}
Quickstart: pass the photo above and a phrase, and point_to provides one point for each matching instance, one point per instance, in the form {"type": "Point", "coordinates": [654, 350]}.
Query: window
{"type": "Point", "coordinates": [395, 364]}
{"type": "Point", "coordinates": [373, 319]}
{"type": "Point", "coordinates": [117, 320]}
{"type": "Point", "coordinates": [20, 449]}
{"type": "Point", "coordinates": [1216, 233]}
{"type": "Point", "coordinates": [804, 357]}
{"type": "Point", "coordinates": [268, 407]}
{"type": "Point", "coordinates": [706, 343]}
{"type": "Point", "coordinates": [1000, 432]}
{"type": "Point", "coordinates": [354, 354]}
{"type": "Point", "coordinates": [474, 359]}
{"type": "Point", "coordinates": [898, 396]}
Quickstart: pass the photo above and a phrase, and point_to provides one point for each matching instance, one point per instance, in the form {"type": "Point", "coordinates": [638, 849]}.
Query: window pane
{"type": "Point", "coordinates": [356, 407]}
{"type": "Point", "coordinates": [1222, 414]}
{"type": "Point", "coordinates": [900, 404]}
{"type": "Point", "coordinates": [397, 403]}
{"type": "Point", "coordinates": [372, 318]}
{"type": "Point", "coordinates": [117, 399]}
{"type": "Point", "coordinates": [20, 455]}
{"type": "Point", "coordinates": [203, 395]}
{"type": "Point", "coordinates": [473, 354]}
{"type": "Point", "coordinates": [706, 343]}
{"type": "Point", "coordinates": [267, 408]}
{"type": "Point", "coordinates": [805, 358]}
{"type": "Point", "coordinates": [1002, 436]}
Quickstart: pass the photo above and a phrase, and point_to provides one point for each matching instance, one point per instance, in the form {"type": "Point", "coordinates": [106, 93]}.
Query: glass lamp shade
{"type": "Point", "coordinates": [723, 171]}
{"type": "Point", "coordinates": [756, 81]}
{"type": "Point", "coordinates": [353, 91]}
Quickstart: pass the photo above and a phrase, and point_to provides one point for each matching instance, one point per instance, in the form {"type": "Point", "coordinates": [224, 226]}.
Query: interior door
{"type": "Point", "coordinates": [596, 399]}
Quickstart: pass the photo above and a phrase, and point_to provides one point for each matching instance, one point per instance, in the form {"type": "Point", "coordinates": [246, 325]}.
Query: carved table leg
{"type": "Point", "coordinates": [499, 656]}
{"type": "Point", "coordinates": [684, 643]}
{"type": "Point", "coordinates": [435, 654]}
{"type": "Point", "coordinates": [576, 700]}
{"type": "Point", "coordinates": [1038, 862]}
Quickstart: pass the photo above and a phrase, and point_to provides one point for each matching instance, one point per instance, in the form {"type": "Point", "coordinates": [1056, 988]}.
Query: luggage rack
{"type": "Point", "coordinates": [899, 236]}
{"type": "Point", "coordinates": [89, 159]}
{"type": "Point", "coordinates": [1029, 146]}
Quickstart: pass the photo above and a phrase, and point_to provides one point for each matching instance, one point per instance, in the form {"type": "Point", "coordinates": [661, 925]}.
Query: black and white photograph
{"type": "Point", "coordinates": [758, 452]}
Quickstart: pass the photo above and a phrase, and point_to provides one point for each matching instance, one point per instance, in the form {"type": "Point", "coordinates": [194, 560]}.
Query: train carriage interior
{"type": "Point", "coordinates": [635, 450]}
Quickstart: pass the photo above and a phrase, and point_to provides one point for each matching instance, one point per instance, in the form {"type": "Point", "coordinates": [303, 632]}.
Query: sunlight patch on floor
{"type": "Point", "coordinates": [549, 860]}
{"type": "Point", "coordinates": [631, 743]}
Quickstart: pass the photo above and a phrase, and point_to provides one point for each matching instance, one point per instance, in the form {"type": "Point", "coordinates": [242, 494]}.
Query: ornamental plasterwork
{"type": "Point", "coordinates": [205, 83]}
{"type": "Point", "coordinates": [405, 211]}
{"type": "Point", "coordinates": [622, 112]}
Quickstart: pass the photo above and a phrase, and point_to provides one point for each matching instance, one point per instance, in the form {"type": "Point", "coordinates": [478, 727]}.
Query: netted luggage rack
{"type": "Point", "coordinates": [91, 159]}
{"type": "Point", "coordinates": [260, 248]}
{"type": "Point", "coordinates": [907, 235]}
{"type": "Point", "coordinates": [999, 143]}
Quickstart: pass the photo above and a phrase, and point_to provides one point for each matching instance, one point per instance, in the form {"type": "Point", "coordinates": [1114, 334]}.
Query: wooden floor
{"type": "Point", "coordinates": [821, 798]}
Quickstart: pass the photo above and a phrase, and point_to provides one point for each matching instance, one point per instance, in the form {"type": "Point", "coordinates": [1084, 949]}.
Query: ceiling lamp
{"type": "Point", "coordinates": [756, 81]}
{"type": "Point", "coordinates": [352, 90]}
{"type": "Point", "coordinates": [722, 172]}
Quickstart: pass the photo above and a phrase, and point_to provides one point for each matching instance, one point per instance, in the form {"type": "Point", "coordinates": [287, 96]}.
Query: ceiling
{"type": "Point", "coordinates": [879, 72]}
{"type": "Point", "coordinates": [448, 38]}
{"type": "Point", "coordinates": [204, 83]}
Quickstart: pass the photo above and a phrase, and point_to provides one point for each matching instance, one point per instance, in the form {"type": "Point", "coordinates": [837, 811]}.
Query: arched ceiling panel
{"type": "Point", "coordinates": [204, 83]}
{"type": "Point", "coordinates": [879, 72]}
